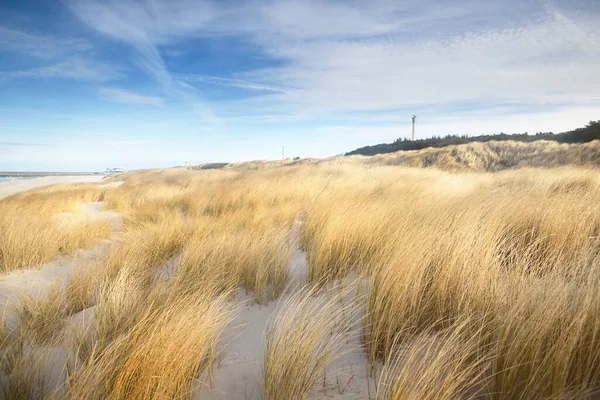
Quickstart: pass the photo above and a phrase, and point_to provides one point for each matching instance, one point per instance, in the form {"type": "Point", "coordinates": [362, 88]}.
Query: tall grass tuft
{"type": "Point", "coordinates": [41, 315]}
{"type": "Point", "coordinates": [450, 364]}
{"type": "Point", "coordinates": [160, 355]}
{"type": "Point", "coordinates": [304, 337]}
{"type": "Point", "coordinates": [81, 289]}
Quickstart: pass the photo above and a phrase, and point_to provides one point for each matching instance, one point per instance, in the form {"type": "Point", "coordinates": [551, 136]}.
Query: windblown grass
{"type": "Point", "coordinates": [494, 156]}
{"type": "Point", "coordinates": [452, 364]}
{"type": "Point", "coordinates": [81, 289]}
{"type": "Point", "coordinates": [25, 379]}
{"type": "Point", "coordinates": [149, 346]}
{"type": "Point", "coordinates": [11, 354]}
{"type": "Point", "coordinates": [41, 315]}
{"type": "Point", "coordinates": [479, 285]}
{"type": "Point", "coordinates": [256, 259]}
{"type": "Point", "coordinates": [145, 248]}
{"type": "Point", "coordinates": [305, 336]}
{"type": "Point", "coordinates": [31, 234]}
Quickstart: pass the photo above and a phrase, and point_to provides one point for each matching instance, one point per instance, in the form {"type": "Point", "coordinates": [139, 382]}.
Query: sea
{"type": "Point", "coordinates": [15, 178]}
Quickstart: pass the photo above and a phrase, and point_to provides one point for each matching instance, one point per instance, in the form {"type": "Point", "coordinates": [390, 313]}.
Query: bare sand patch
{"type": "Point", "coordinates": [238, 374]}
{"type": "Point", "coordinates": [15, 284]}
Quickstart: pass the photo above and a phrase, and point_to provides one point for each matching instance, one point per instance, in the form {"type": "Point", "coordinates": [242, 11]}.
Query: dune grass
{"type": "Point", "coordinates": [38, 225]}
{"type": "Point", "coordinates": [452, 255]}
{"type": "Point", "coordinates": [148, 344]}
{"type": "Point", "coordinates": [81, 289]}
{"type": "Point", "coordinates": [304, 337]}
{"type": "Point", "coordinates": [41, 315]}
{"type": "Point", "coordinates": [494, 156]}
{"type": "Point", "coordinates": [256, 259]}
{"type": "Point", "coordinates": [450, 364]}
{"type": "Point", "coordinates": [479, 285]}
{"type": "Point", "coordinates": [25, 379]}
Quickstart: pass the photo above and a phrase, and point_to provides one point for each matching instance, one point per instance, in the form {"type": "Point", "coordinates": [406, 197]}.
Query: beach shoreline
{"type": "Point", "coordinates": [10, 188]}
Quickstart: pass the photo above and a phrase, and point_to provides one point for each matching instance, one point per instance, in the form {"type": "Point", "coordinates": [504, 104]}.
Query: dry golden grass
{"type": "Point", "coordinates": [41, 315]}
{"type": "Point", "coordinates": [494, 156]}
{"type": "Point", "coordinates": [81, 289]}
{"type": "Point", "coordinates": [121, 304]}
{"type": "Point", "coordinates": [546, 344]}
{"type": "Point", "coordinates": [237, 232]}
{"type": "Point", "coordinates": [24, 380]}
{"type": "Point", "coordinates": [83, 233]}
{"type": "Point", "coordinates": [304, 337]}
{"type": "Point", "coordinates": [480, 285]}
{"type": "Point", "coordinates": [257, 259]}
{"type": "Point", "coordinates": [38, 225]}
{"type": "Point", "coordinates": [452, 364]}
{"type": "Point", "coordinates": [11, 354]}
{"type": "Point", "coordinates": [149, 345]}
{"type": "Point", "coordinates": [145, 248]}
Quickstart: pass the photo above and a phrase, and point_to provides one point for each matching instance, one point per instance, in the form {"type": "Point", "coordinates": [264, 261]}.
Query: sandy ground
{"type": "Point", "coordinates": [238, 374]}
{"type": "Point", "coordinates": [15, 284]}
{"type": "Point", "coordinates": [13, 187]}
{"type": "Point", "coordinates": [52, 359]}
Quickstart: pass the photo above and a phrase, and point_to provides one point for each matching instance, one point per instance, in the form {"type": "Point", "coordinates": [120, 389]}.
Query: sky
{"type": "Point", "coordinates": [91, 84]}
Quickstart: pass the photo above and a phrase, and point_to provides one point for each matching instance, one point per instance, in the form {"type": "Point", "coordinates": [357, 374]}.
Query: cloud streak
{"type": "Point", "coordinates": [40, 46]}
{"type": "Point", "coordinates": [76, 67]}
{"type": "Point", "coordinates": [386, 56]}
{"type": "Point", "coordinates": [237, 83]}
{"type": "Point", "coordinates": [128, 97]}
{"type": "Point", "coordinates": [320, 76]}
{"type": "Point", "coordinates": [144, 26]}
{"type": "Point", "coordinates": [353, 56]}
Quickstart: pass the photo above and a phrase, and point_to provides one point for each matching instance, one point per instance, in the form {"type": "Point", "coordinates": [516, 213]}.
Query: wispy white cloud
{"type": "Point", "coordinates": [128, 97]}
{"type": "Point", "coordinates": [145, 25]}
{"type": "Point", "coordinates": [40, 46]}
{"type": "Point", "coordinates": [387, 56]}
{"type": "Point", "coordinates": [72, 68]}
{"type": "Point", "coordinates": [238, 83]}
{"type": "Point", "coordinates": [310, 19]}
{"type": "Point", "coordinates": [341, 74]}
{"type": "Point", "coordinates": [75, 68]}
{"type": "Point", "coordinates": [382, 55]}
{"type": "Point", "coordinates": [146, 21]}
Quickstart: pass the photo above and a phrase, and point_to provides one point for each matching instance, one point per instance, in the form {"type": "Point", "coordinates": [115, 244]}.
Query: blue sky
{"type": "Point", "coordinates": [90, 84]}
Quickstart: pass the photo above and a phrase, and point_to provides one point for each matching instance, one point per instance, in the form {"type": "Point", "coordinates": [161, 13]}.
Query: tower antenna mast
{"type": "Point", "coordinates": [414, 121]}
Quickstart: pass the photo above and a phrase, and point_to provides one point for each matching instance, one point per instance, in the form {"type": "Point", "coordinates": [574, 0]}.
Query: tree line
{"type": "Point", "coordinates": [580, 135]}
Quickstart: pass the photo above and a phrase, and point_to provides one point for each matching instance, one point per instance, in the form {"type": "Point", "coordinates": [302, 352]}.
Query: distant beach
{"type": "Point", "coordinates": [11, 178]}
{"type": "Point", "coordinates": [21, 183]}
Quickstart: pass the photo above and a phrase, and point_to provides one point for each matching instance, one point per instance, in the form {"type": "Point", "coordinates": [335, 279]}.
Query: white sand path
{"type": "Point", "coordinates": [52, 359]}
{"type": "Point", "coordinates": [15, 284]}
{"type": "Point", "coordinates": [238, 375]}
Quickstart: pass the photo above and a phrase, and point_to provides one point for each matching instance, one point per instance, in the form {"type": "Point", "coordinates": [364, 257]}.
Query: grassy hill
{"type": "Point", "coordinates": [581, 135]}
{"type": "Point", "coordinates": [491, 153]}
{"type": "Point", "coordinates": [489, 156]}
{"type": "Point", "coordinates": [493, 156]}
